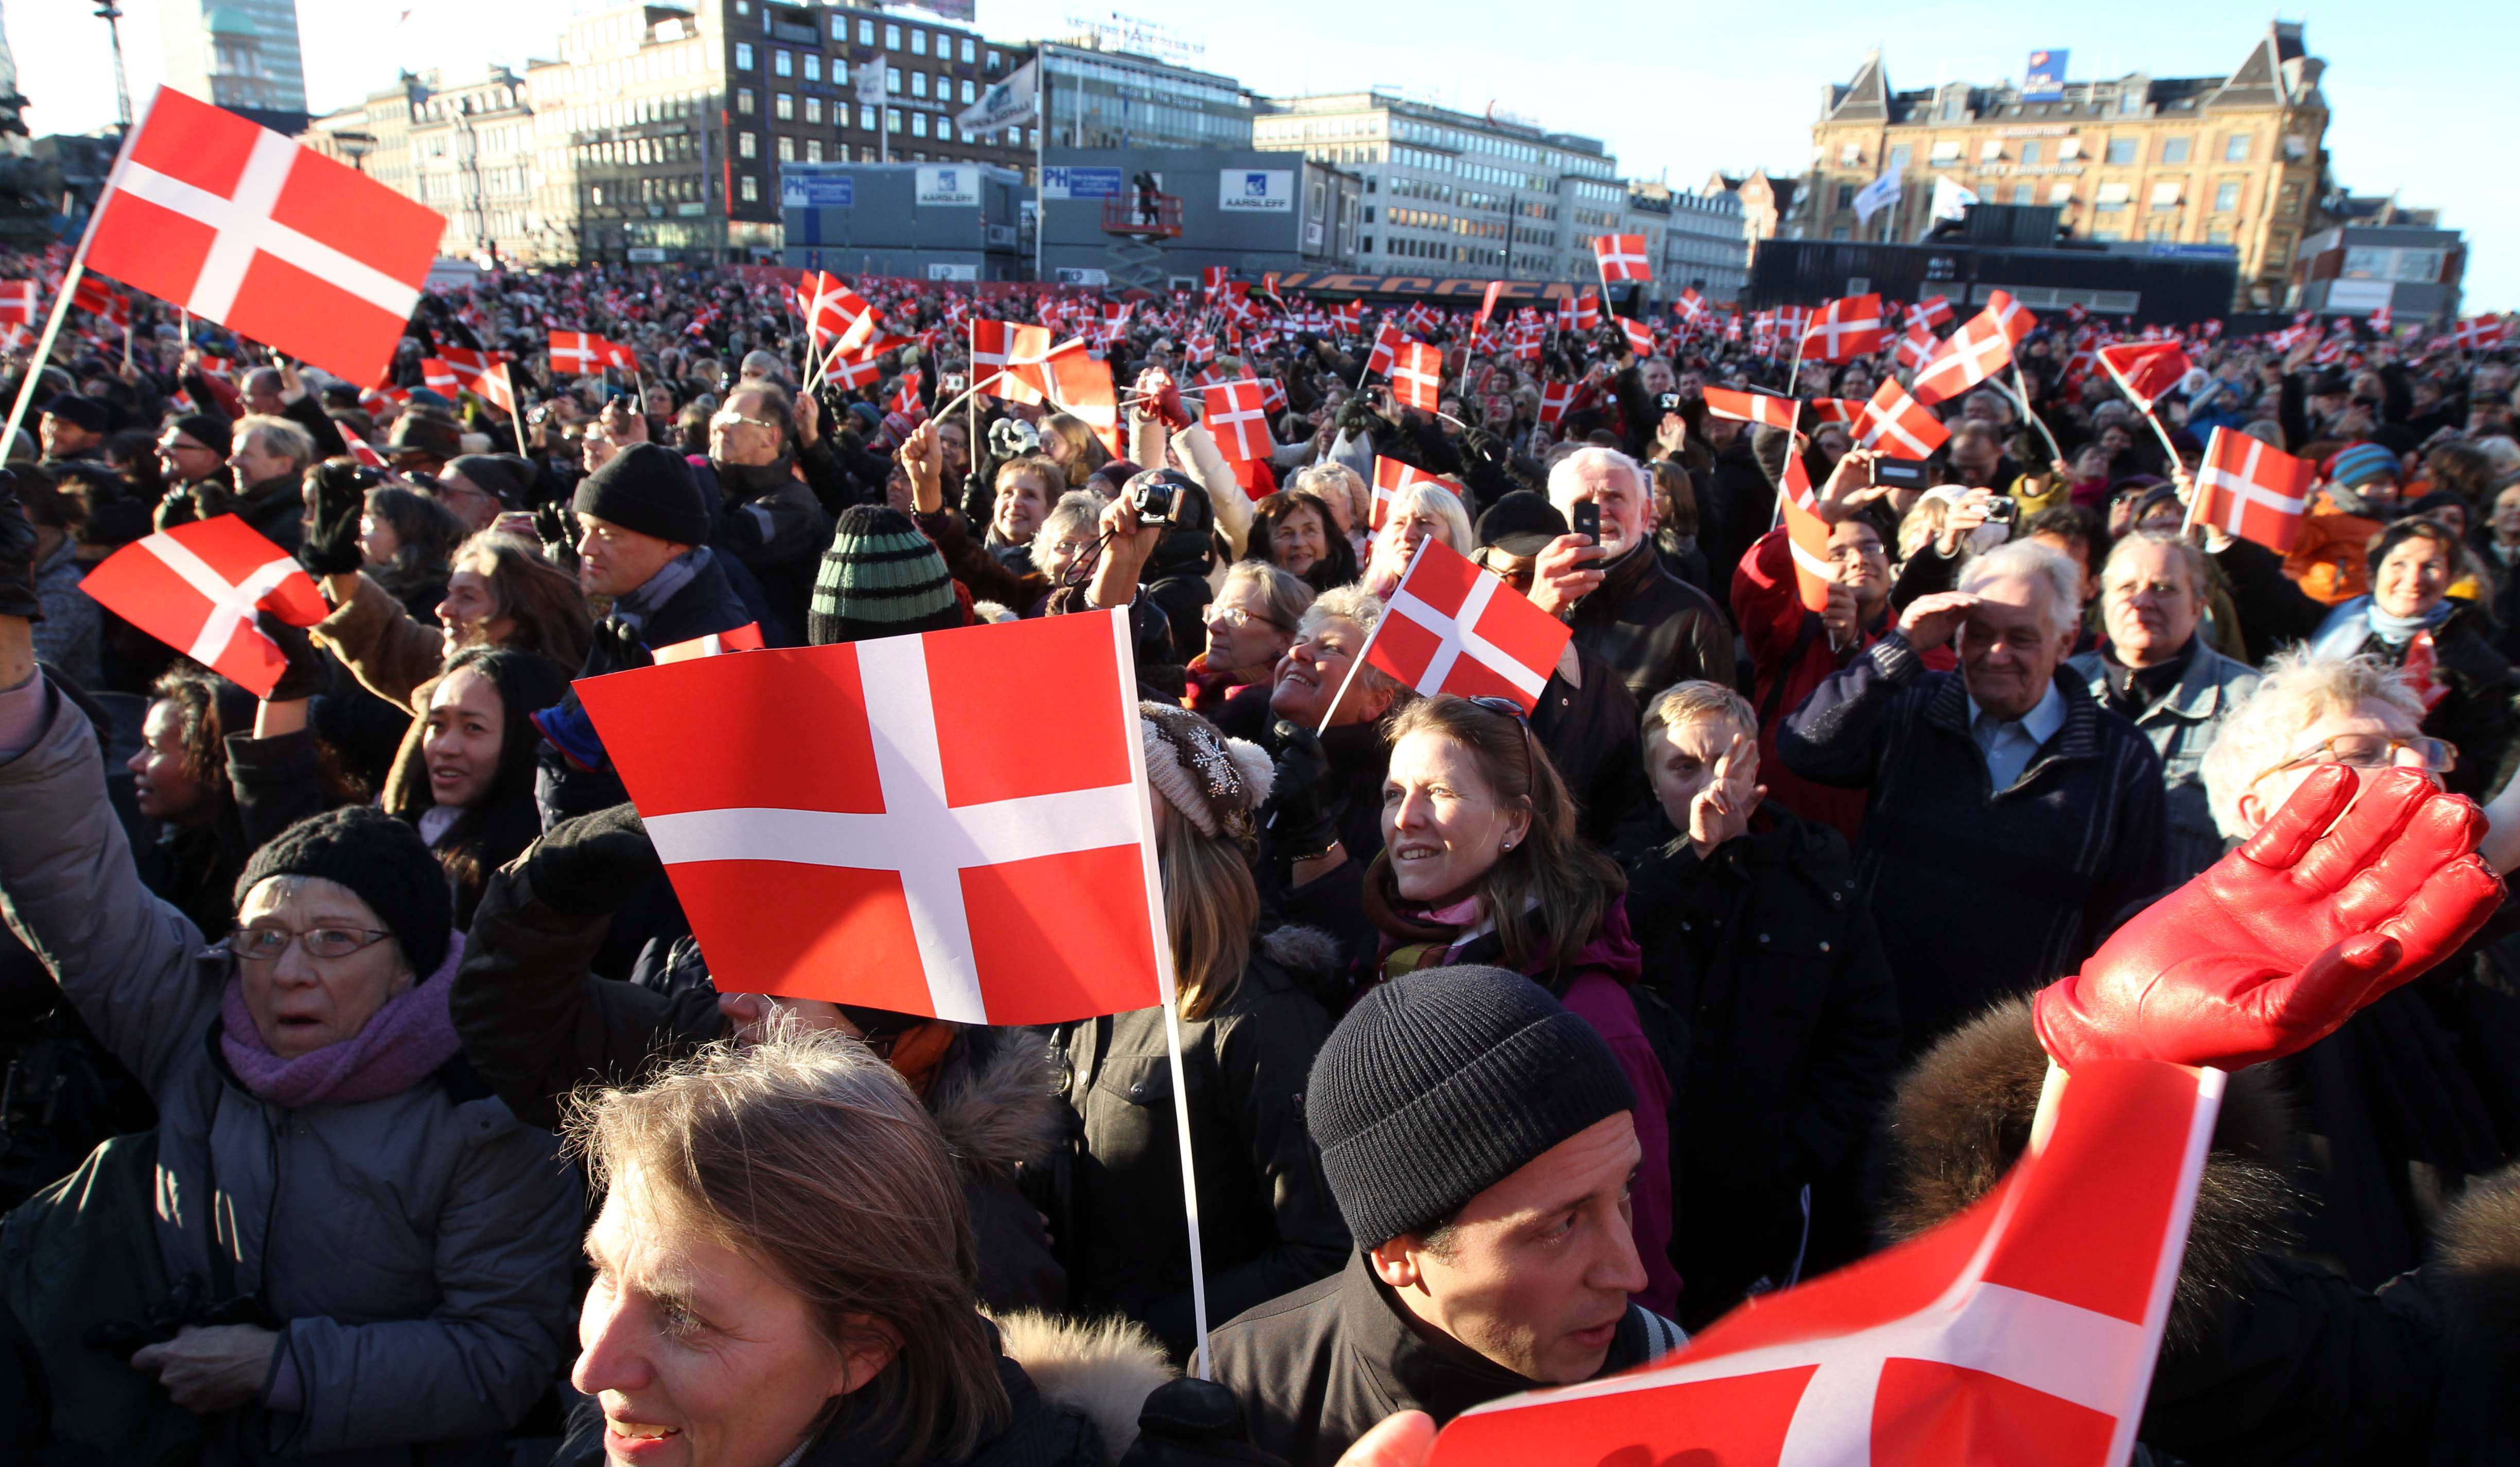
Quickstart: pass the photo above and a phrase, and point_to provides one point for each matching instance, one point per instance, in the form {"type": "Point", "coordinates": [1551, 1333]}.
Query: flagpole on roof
{"type": "Point", "coordinates": [69, 282]}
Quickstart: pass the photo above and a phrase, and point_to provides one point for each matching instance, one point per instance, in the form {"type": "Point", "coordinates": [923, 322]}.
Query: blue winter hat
{"type": "Point", "coordinates": [2359, 463]}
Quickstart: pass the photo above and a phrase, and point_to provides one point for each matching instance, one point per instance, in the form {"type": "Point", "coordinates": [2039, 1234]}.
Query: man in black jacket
{"type": "Point", "coordinates": [1483, 1136]}
{"type": "Point", "coordinates": [1650, 625]}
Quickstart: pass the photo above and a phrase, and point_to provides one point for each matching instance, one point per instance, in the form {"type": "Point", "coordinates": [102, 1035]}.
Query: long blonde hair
{"type": "Point", "coordinates": [1211, 904]}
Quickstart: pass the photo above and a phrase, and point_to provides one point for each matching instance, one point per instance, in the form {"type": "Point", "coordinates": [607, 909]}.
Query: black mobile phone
{"type": "Point", "coordinates": [1587, 521]}
{"type": "Point", "coordinates": [1899, 474]}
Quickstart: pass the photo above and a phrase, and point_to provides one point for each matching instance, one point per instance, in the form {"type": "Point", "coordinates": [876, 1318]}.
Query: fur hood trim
{"type": "Point", "coordinates": [1103, 1369]}
{"type": "Point", "coordinates": [999, 1105]}
{"type": "Point", "coordinates": [1304, 950]}
{"type": "Point", "coordinates": [2480, 1253]}
{"type": "Point", "coordinates": [1961, 1117]}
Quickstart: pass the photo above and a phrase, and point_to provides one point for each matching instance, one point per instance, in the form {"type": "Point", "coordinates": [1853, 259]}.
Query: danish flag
{"type": "Point", "coordinates": [196, 586]}
{"type": "Point", "coordinates": [17, 301]}
{"type": "Point", "coordinates": [1835, 410]}
{"type": "Point", "coordinates": [931, 857]}
{"type": "Point", "coordinates": [1976, 352]}
{"type": "Point", "coordinates": [850, 374]}
{"type": "Point", "coordinates": [1587, 312]}
{"type": "Point", "coordinates": [1930, 312]}
{"type": "Point", "coordinates": [93, 296]}
{"type": "Point", "coordinates": [2022, 1330]}
{"type": "Point", "coordinates": [1764, 409]}
{"type": "Point", "coordinates": [1621, 258]}
{"type": "Point", "coordinates": [1555, 398]}
{"type": "Point", "coordinates": [2252, 491]}
{"type": "Point", "coordinates": [1418, 377]}
{"type": "Point", "coordinates": [904, 398]}
{"type": "Point", "coordinates": [743, 639]}
{"type": "Point", "coordinates": [1081, 385]}
{"type": "Point", "coordinates": [1641, 340]}
{"type": "Point", "coordinates": [1451, 627]}
{"type": "Point", "coordinates": [2145, 369]}
{"type": "Point", "coordinates": [1238, 421]}
{"type": "Point", "coordinates": [1692, 306]}
{"type": "Point", "coordinates": [2479, 333]}
{"type": "Point", "coordinates": [840, 319]}
{"type": "Point", "coordinates": [1006, 360]}
{"type": "Point", "coordinates": [1845, 329]}
{"type": "Point", "coordinates": [1212, 276]}
{"type": "Point", "coordinates": [1899, 424]}
{"type": "Point", "coordinates": [239, 225]}
{"type": "Point", "coordinates": [2380, 318]}
{"type": "Point", "coordinates": [1806, 536]}
{"type": "Point", "coordinates": [580, 354]}
{"type": "Point", "coordinates": [1387, 343]}
{"type": "Point", "coordinates": [1390, 478]}
{"type": "Point", "coordinates": [367, 455]}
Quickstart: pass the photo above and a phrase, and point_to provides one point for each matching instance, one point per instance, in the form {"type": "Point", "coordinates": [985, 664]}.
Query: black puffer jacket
{"type": "Point", "coordinates": [1770, 956]}
{"type": "Point", "coordinates": [1653, 627]}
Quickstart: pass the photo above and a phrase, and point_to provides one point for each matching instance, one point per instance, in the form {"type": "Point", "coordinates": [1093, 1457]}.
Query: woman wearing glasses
{"type": "Point", "coordinates": [334, 1242]}
{"type": "Point", "coordinates": [1481, 863]}
{"type": "Point", "coordinates": [1250, 625]}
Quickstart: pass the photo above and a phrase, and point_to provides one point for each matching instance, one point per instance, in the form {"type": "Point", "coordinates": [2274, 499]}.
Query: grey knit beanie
{"type": "Point", "coordinates": [880, 578]}
{"type": "Point", "coordinates": [1439, 1085]}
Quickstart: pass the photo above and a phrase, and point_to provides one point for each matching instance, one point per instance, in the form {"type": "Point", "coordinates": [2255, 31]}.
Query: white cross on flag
{"type": "Point", "coordinates": [241, 226]}
{"type": "Point", "coordinates": [438, 376]}
{"type": "Point", "coordinates": [2021, 1331]}
{"type": "Point", "coordinates": [1390, 477]}
{"type": "Point", "coordinates": [1418, 377]}
{"type": "Point", "coordinates": [2145, 369]}
{"type": "Point", "coordinates": [17, 301]}
{"type": "Point", "coordinates": [2479, 333]}
{"type": "Point", "coordinates": [934, 855]}
{"type": "Point", "coordinates": [1238, 420]}
{"type": "Point", "coordinates": [1898, 424]}
{"type": "Point", "coordinates": [1762, 407]}
{"type": "Point", "coordinates": [1930, 312]}
{"type": "Point", "coordinates": [1976, 352]}
{"type": "Point", "coordinates": [1451, 627]}
{"type": "Point", "coordinates": [1554, 399]}
{"type": "Point", "coordinates": [581, 353]}
{"type": "Point", "coordinates": [1845, 329]}
{"type": "Point", "coordinates": [2252, 491]}
{"type": "Point", "coordinates": [1692, 306]}
{"type": "Point", "coordinates": [195, 588]}
{"type": "Point", "coordinates": [1917, 347]}
{"type": "Point", "coordinates": [1006, 360]}
{"type": "Point", "coordinates": [1588, 311]}
{"type": "Point", "coordinates": [1806, 535]}
{"type": "Point", "coordinates": [1621, 258]}
{"type": "Point", "coordinates": [1639, 336]}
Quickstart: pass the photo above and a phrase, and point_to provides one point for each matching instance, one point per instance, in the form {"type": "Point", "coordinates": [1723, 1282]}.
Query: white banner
{"type": "Point", "coordinates": [1006, 104]}
{"type": "Point", "coordinates": [951, 185]}
{"type": "Point", "coordinates": [1875, 196]}
{"type": "Point", "coordinates": [940, 271]}
{"type": "Point", "coordinates": [1256, 190]}
{"type": "Point", "coordinates": [871, 75]}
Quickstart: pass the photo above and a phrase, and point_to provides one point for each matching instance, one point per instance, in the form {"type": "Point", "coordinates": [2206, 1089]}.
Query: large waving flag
{"type": "Point", "coordinates": [196, 586]}
{"type": "Point", "coordinates": [1451, 626]}
{"type": "Point", "coordinates": [1976, 352]}
{"type": "Point", "coordinates": [2252, 491]}
{"type": "Point", "coordinates": [932, 857]}
{"type": "Point", "coordinates": [2021, 1331]}
{"type": "Point", "coordinates": [239, 225]}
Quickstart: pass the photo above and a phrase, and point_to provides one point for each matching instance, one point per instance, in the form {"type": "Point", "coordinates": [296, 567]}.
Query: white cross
{"type": "Point", "coordinates": [2243, 487]}
{"type": "Point", "coordinates": [582, 352]}
{"type": "Point", "coordinates": [244, 228]}
{"type": "Point", "coordinates": [1426, 388]}
{"type": "Point", "coordinates": [928, 842]}
{"type": "Point", "coordinates": [1614, 251]}
{"type": "Point", "coordinates": [1830, 328]}
{"type": "Point", "coordinates": [1241, 406]}
{"type": "Point", "coordinates": [1458, 633]}
{"type": "Point", "coordinates": [1886, 417]}
{"type": "Point", "coordinates": [231, 605]}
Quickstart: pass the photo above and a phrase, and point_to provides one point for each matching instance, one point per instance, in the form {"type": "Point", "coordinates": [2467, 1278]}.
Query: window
{"type": "Point", "coordinates": [968, 49]}
{"type": "Point", "coordinates": [813, 150]}
{"type": "Point", "coordinates": [2113, 197]}
{"type": "Point", "coordinates": [1849, 154]}
{"type": "Point", "coordinates": [813, 66]}
{"type": "Point", "coordinates": [866, 32]}
{"type": "Point", "coordinates": [2279, 249]}
{"type": "Point", "coordinates": [744, 55]}
{"type": "Point", "coordinates": [917, 83]}
{"type": "Point", "coordinates": [2217, 231]}
{"type": "Point", "coordinates": [995, 60]}
{"type": "Point", "coordinates": [2025, 193]}
{"type": "Point", "coordinates": [971, 93]}
{"type": "Point", "coordinates": [1846, 195]}
{"type": "Point", "coordinates": [839, 71]}
{"type": "Point", "coordinates": [919, 124]}
{"type": "Point", "coordinates": [2121, 151]}
{"type": "Point", "coordinates": [2235, 147]}
{"type": "Point", "coordinates": [1945, 153]}
{"type": "Point", "coordinates": [786, 149]}
{"type": "Point", "coordinates": [866, 118]}
{"type": "Point", "coordinates": [782, 62]}
{"type": "Point", "coordinates": [2165, 195]}
{"type": "Point", "coordinates": [892, 38]}
{"type": "Point", "coordinates": [2131, 104]}
{"type": "Point", "coordinates": [1990, 150]}
{"type": "Point", "coordinates": [749, 188]}
{"type": "Point", "coordinates": [2226, 198]}
{"type": "Point", "coordinates": [2174, 150]}
{"type": "Point", "coordinates": [1365, 245]}
{"type": "Point", "coordinates": [813, 108]}
{"type": "Point", "coordinates": [2029, 152]}
{"type": "Point", "coordinates": [748, 144]}
{"type": "Point", "coordinates": [783, 107]}
{"type": "Point", "coordinates": [2061, 193]}
{"type": "Point", "coordinates": [2069, 150]}
{"type": "Point", "coordinates": [743, 102]}
{"type": "Point", "coordinates": [892, 120]}
{"type": "Point", "coordinates": [2161, 229]}
{"type": "Point", "coordinates": [892, 81]}
{"type": "Point", "coordinates": [1899, 157]}
{"type": "Point", "coordinates": [840, 29]}
{"type": "Point", "coordinates": [919, 43]}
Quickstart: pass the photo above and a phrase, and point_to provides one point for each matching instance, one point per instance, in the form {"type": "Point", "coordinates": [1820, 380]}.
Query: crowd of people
{"type": "Point", "coordinates": [356, 1045]}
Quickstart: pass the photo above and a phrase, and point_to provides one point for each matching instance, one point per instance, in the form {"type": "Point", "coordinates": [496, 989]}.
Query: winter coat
{"type": "Point", "coordinates": [276, 507]}
{"type": "Point", "coordinates": [1980, 892]}
{"type": "Point", "coordinates": [418, 1247]}
{"type": "Point", "coordinates": [1590, 728]}
{"type": "Point", "coordinates": [778, 534]}
{"type": "Point", "coordinates": [1653, 627]}
{"type": "Point", "coordinates": [390, 652]}
{"type": "Point", "coordinates": [537, 1024]}
{"type": "Point", "coordinates": [72, 635]}
{"type": "Point", "coordinates": [1736, 504]}
{"type": "Point", "coordinates": [1267, 1224]}
{"type": "Point", "coordinates": [1793, 1020]}
{"type": "Point", "coordinates": [1317, 1368]}
{"type": "Point", "coordinates": [2183, 726]}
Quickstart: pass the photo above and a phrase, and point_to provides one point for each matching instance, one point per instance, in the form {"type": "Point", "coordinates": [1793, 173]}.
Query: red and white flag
{"type": "Point", "coordinates": [1640, 336]}
{"type": "Point", "coordinates": [1418, 377]}
{"type": "Point", "coordinates": [906, 400]}
{"type": "Point", "coordinates": [1451, 627]}
{"type": "Point", "coordinates": [1006, 360]}
{"type": "Point", "coordinates": [2145, 369]}
{"type": "Point", "coordinates": [1930, 312]}
{"type": "Point", "coordinates": [743, 639]}
{"type": "Point", "coordinates": [438, 376]}
{"type": "Point", "coordinates": [367, 455]}
{"type": "Point", "coordinates": [1487, 306]}
{"type": "Point", "coordinates": [1845, 329]}
{"type": "Point", "coordinates": [1554, 399]}
{"type": "Point", "coordinates": [1588, 311]}
{"type": "Point", "coordinates": [2023, 1330]}
{"type": "Point", "coordinates": [1762, 407]}
{"type": "Point", "coordinates": [1806, 536]}
{"type": "Point", "coordinates": [1081, 385]}
{"type": "Point", "coordinates": [2380, 318]}
{"type": "Point", "coordinates": [2479, 333]}
{"type": "Point", "coordinates": [1237, 419]}
{"type": "Point", "coordinates": [932, 857]}
{"type": "Point", "coordinates": [1621, 258]}
{"type": "Point", "coordinates": [1212, 278]}
{"type": "Point", "coordinates": [2253, 491]}
{"type": "Point", "coordinates": [1976, 352]}
{"type": "Point", "coordinates": [1917, 347]}
{"type": "Point", "coordinates": [1898, 424]}
{"type": "Point", "coordinates": [241, 226]}
{"type": "Point", "coordinates": [582, 353]}
{"type": "Point", "coordinates": [95, 297]}
{"type": "Point", "coordinates": [19, 301]}
{"type": "Point", "coordinates": [196, 586]}
{"type": "Point", "coordinates": [1692, 306]}
{"type": "Point", "coordinates": [1387, 343]}
{"type": "Point", "coordinates": [1390, 478]}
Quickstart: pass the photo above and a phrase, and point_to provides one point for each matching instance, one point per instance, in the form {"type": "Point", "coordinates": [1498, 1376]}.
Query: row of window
{"type": "Point", "coordinates": [2108, 198]}
{"type": "Point", "coordinates": [748, 144]}
{"type": "Point", "coordinates": [784, 61]}
{"type": "Point", "coordinates": [2118, 152]}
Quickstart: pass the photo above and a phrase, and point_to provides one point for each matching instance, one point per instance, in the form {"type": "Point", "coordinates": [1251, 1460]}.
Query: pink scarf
{"type": "Point", "coordinates": [402, 1044]}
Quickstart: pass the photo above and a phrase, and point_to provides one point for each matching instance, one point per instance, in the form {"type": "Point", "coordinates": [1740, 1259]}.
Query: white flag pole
{"type": "Point", "coordinates": [1125, 653]}
{"type": "Point", "coordinates": [1357, 663]}
{"type": "Point", "coordinates": [70, 279]}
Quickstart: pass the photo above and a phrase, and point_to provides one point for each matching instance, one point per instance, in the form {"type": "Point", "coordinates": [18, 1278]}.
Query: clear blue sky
{"type": "Point", "coordinates": [2422, 94]}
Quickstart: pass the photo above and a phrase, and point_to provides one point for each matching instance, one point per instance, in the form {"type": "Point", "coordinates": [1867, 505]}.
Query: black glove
{"type": "Point", "coordinates": [1302, 818]}
{"type": "Point", "coordinates": [1484, 446]}
{"type": "Point", "coordinates": [1357, 415]}
{"type": "Point", "coordinates": [332, 547]}
{"type": "Point", "coordinates": [305, 675]}
{"type": "Point", "coordinates": [551, 526]}
{"type": "Point", "coordinates": [16, 555]}
{"type": "Point", "coordinates": [587, 866]}
{"type": "Point", "coordinates": [1193, 1423]}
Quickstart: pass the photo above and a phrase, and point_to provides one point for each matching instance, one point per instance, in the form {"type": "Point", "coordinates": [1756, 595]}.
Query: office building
{"type": "Point", "coordinates": [239, 54]}
{"type": "Point", "coordinates": [2200, 162]}
{"type": "Point", "coordinates": [1705, 244]}
{"type": "Point", "coordinates": [1103, 95]}
{"type": "Point", "coordinates": [1766, 200]}
{"type": "Point", "coordinates": [2356, 268]}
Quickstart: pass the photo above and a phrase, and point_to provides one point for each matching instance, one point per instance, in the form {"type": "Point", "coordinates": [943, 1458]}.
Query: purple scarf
{"type": "Point", "coordinates": [403, 1042]}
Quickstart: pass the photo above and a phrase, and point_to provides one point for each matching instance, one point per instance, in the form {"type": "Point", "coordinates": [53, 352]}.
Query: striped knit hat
{"type": "Point", "coordinates": [880, 578]}
{"type": "Point", "coordinates": [2359, 463]}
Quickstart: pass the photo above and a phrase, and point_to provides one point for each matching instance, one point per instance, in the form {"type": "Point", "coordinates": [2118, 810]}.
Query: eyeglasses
{"type": "Point", "coordinates": [728, 417]}
{"type": "Point", "coordinates": [1514, 710]}
{"type": "Point", "coordinates": [1236, 618]}
{"type": "Point", "coordinates": [267, 943]}
{"type": "Point", "coordinates": [2374, 752]}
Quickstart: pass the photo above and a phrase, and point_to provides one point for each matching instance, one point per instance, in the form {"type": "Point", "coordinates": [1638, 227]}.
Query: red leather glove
{"type": "Point", "coordinates": [1164, 395]}
{"type": "Point", "coordinates": [2277, 944]}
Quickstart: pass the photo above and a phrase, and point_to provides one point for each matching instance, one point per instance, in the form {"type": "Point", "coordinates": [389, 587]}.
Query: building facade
{"type": "Point", "coordinates": [1767, 202]}
{"type": "Point", "coordinates": [1101, 96]}
{"type": "Point", "coordinates": [1452, 194]}
{"type": "Point", "coordinates": [1705, 244]}
{"type": "Point", "coordinates": [2230, 161]}
{"type": "Point", "coordinates": [239, 54]}
{"type": "Point", "coordinates": [2354, 269]}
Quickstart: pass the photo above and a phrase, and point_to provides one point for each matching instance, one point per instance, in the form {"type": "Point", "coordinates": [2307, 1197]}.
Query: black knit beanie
{"type": "Point", "coordinates": [207, 430]}
{"type": "Point", "coordinates": [650, 490]}
{"type": "Point", "coordinates": [880, 578]}
{"type": "Point", "coordinates": [506, 477]}
{"type": "Point", "coordinates": [378, 857]}
{"type": "Point", "coordinates": [1439, 1085]}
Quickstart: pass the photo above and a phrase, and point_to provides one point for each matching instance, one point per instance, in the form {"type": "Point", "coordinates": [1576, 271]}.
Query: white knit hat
{"type": "Point", "coordinates": [1213, 780]}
